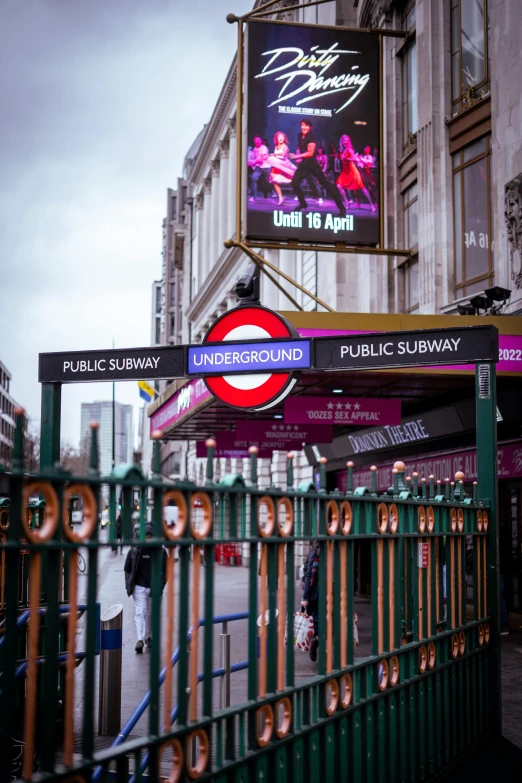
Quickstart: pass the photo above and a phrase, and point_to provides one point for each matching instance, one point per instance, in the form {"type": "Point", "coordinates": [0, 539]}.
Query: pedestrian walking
{"type": "Point", "coordinates": [119, 535]}
{"type": "Point", "coordinates": [310, 601]}
{"type": "Point", "coordinates": [138, 575]}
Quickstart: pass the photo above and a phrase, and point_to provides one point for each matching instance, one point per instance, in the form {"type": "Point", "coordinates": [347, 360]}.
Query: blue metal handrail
{"type": "Point", "coordinates": [63, 609]}
{"type": "Point", "coordinates": [145, 701]}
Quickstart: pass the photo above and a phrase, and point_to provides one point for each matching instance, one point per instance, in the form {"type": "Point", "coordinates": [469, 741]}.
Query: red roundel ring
{"type": "Point", "coordinates": [252, 391]}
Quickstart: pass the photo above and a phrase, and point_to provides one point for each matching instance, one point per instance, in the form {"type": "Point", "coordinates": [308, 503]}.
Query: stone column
{"type": "Point", "coordinates": [231, 189]}
{"type": "Point", "coordinates": [206, 236]}
{"type": "Point", "coordinates": [224, 206]}
{"type": "Point", "coordinates": [214, 215]}
{"type": "Point", "coordinates": [197, 229]}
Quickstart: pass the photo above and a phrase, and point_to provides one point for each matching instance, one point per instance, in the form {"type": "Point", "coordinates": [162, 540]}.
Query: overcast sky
{"type": "Point", "coordinates": [100, 101]}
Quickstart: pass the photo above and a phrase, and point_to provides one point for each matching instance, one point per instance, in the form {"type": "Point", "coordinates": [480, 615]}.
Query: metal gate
{"type": "Point", "coordinates": [427, 693]}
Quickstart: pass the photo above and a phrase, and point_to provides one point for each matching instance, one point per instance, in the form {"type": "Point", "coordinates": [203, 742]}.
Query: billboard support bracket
{"type": "Point", "coordinates": [261, 262]}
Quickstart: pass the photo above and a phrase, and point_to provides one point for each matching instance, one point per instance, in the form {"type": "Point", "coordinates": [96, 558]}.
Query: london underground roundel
{"type": "Point", "coordinates": [251, 391]}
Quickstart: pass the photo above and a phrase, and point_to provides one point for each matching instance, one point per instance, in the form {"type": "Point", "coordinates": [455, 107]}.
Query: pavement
{"type": "Point", "coordinates": [231, 596]}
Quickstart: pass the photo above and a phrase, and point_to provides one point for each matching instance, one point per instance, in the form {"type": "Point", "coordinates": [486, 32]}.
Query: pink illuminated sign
{"type": "Point", "coordinates": [442, 466]}
{"type": "Point", "coordinates": [342, 410]}
{"type": "Point", "coordinates": [184, 401]}
{"type": "Point", "coordinates": [291, 435]}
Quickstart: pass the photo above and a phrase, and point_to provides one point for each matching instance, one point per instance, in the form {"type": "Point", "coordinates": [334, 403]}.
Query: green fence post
{"type": "Point", "coordinates": [50, 425]}
{"type": "Point", "coordinates": [487, 469]}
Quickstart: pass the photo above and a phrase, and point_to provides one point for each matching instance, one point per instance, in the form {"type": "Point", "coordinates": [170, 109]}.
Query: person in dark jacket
{"type": "Point", "coordinates": [119, 535]}
{"type": "Point", "coordinates": [138, 573]}
{"type": "Point", "coordinates": [310, 602]}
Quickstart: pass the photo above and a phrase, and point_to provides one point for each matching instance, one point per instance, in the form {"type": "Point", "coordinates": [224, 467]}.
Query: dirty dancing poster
{"type": "Point", "coordinates": [312, 155]}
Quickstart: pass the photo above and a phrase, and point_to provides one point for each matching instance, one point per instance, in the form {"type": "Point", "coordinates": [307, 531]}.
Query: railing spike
{"type": "Point", "coordinates": [349, 483]}
{"type": "Point", "coordinates": [156, 457]}
{"type": "Point", "coordinates": [395, 476]}
{"type": "Point", "coordinates": [447, 491]}
{"type": "Point", "coordinates": [432, 486]}
{"type": "Point", "coordinates": [18, 447]}
{"type": "Point", "coordinates": [253, 451]}
{"type": "Point", "coordinates": [322, 474]}
{"type": "Point", "coordinates": [400, 467]}
{"type": "Point", "coordinates": [290, 470]}
{"type": "Point", "coordinates": [415, 489]}
{"type": "Point", "coordinates": [452, 491]}
{"type": "Point", "coordinates": [475, 491]}
{"type": "Point", "coordinates": [94, 463]}
{"type": "Point", "coordinates": [424, 488]}
{"type": "Point", "coordinates": [374, 479]}
{"type": "Point", "coordinates": [459, 486]}
{"type": "Point", "coordinates": [210, 443]}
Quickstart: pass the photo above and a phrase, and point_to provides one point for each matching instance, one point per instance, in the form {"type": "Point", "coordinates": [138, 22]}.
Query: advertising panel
{"type": "Point", "coordinates": [342, 410]}
{"type": "Point", "coordinates": [441, 465]}
{"type": "Point", "coordinates": [313, 114]}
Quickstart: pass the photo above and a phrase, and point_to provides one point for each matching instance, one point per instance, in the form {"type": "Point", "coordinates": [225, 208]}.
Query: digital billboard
{"type": "Point", "coordinates": [313, 134]}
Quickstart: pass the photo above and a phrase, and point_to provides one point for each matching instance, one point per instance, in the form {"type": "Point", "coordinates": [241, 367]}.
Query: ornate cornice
{"type": "Point", "coordinates": [218, 122]}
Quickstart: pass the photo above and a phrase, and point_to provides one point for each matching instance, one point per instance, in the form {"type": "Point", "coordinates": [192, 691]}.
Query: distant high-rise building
{"type": "Point", "coordinates": [7, 421]}
{"type": "Point", "coordinates": [101, 412]}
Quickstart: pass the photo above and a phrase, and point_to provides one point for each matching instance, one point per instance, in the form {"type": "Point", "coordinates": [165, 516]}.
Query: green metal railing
{"type": "Point", "coordinates": [427, 693]}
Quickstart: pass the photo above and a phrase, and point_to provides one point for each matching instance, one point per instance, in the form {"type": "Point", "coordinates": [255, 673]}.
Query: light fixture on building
{"type": "Point", "coordinates": [466, 310]}
{"type": "Point", "coordinates": [497, 294]}
{"type": "Point", "coordinates": [337, 391]}
{"type": "Point", "coordinates": [479, 302]}
{"type": "Point", "coordinates": [278, 415]}
{"type": "Point", "coordinates": [485, 302]}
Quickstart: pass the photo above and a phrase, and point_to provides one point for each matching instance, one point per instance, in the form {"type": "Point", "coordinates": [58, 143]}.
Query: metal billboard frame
{"type": "Point", "coordinates": [248, 246]}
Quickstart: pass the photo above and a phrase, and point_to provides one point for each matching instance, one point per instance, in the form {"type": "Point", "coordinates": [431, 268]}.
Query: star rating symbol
{"type": "Point", "coordinates": [356, 406]}
{"type": "Point", "coordinates": [296, 427]}
{"type": "Point", "coordinates": [288, 427]}
{"type": "Point", "coordinates": [339, 406]}
{"type": "Point", "coordinates": [282, 427]}
{"type": "Point", "coordinates": [330, 406]}
{"type": "Point", "coordinates": [348, 405]}
{"type": "Point", "coordinates": [274, 426]}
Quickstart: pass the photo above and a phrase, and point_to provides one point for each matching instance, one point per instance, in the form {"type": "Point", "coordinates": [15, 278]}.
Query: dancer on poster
{"type": "Point", "coordinates": [282, 168]}
{"type": "Point", "coordinates": [350, 179]}
{"type": "Point", "coordinates": [368, 164]}
{"type": "Point", "coordinates": [258, 162]}
{"type": "Point", "coordinates": [307, 167]}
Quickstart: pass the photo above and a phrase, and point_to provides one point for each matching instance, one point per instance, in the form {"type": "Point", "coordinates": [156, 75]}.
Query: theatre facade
{"type": "Point", "coordinates": [452, 196]}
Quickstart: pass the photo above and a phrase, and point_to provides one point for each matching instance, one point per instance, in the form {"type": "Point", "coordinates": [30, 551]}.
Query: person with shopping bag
{"type": "Point", "coordinates": [310, 600]}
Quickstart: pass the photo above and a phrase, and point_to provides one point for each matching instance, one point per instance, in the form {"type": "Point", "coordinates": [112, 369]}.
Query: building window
{"type": "Point", "coordinates": [409, 77]}
{"type": "Point", "coordinates": [411, 218]}
{"type": "Point", "coordinates": [410, 267]}
{"type": "Point", "coordinates": [158, 299]}
{"type": "Point", "coordinates": [469, 50]}
{"type": "Point", "coordinates": [410, 272]}
{"type": "Point", "coordinates": [472, 218]}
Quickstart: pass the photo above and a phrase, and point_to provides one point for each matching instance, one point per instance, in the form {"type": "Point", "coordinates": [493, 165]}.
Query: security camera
{"type": "Point", "coordinates": [247, 286]}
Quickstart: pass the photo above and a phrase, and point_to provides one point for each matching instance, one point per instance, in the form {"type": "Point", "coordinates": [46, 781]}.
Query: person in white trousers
{"type": "Point", "coordinates": [138, 573]}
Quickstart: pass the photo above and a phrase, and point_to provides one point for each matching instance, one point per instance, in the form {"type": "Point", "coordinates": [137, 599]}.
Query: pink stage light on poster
{"type": "Point", "coordinates": [268, 432]}
{"type": "Point", "coordinates": [442, 466]}
{"type": "Point", "coordinates": [342, 410]}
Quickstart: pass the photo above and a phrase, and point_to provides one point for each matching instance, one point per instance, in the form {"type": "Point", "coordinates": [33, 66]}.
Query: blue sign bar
{"type": "Point", "coordinates": [227, 358]}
